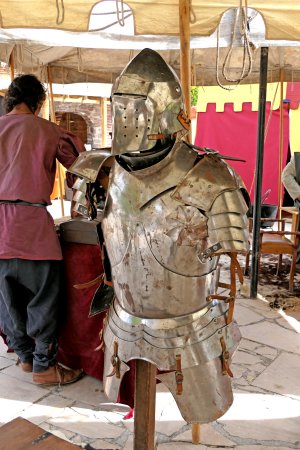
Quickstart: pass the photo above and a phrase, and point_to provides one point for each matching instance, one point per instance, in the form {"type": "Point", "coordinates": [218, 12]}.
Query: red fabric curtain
{"type": "Point", "coordinates": [80, 334]}
{"type": "Point", "coordinates": [235, 134]}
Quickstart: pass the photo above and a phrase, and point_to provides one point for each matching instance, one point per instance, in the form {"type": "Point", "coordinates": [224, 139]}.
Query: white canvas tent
{"type": "Point", "coordinates": [99, 56]}
{"type": "Point", "coordinates": [158, 17]}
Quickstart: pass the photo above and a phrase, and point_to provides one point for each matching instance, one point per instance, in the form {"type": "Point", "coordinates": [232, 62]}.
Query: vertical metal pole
{"type": "Point", "coordinates": [280, 161]}
{"type": "Point", "coordinates": [259, 169]}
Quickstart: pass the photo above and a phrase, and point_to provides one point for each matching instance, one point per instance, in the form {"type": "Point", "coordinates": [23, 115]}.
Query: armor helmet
{"type": "Point", "coordinates": [147, 105]}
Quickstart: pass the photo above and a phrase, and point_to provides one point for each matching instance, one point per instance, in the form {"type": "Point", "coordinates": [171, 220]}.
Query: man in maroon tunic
{"type": "Point", "coordinates": [30, 253]}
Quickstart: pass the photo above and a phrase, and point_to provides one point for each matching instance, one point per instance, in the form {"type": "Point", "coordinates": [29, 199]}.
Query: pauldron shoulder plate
{"type": "Point", "coordinates": [88, 164]}
{"type": "Point", "coordinates": [205, 182]}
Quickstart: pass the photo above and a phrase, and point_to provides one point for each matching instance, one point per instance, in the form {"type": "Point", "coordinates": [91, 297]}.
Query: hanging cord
{"type": "Point", "coordinates": [193, 17]}
{"type": "Point", "coordinates": [60, 8]}
{"type": "Point", "coordinates": [120, 17]}
{"type": "Point", "coordinates": [240, 12]}
{"type": "Point", "coordinates": [119, 12]}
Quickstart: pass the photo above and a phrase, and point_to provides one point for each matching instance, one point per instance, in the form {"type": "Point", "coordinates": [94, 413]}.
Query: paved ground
{"type": "Point", "coordinates": [265, 414]}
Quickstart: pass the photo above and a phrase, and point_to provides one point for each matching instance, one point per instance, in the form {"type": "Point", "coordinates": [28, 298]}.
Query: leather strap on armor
{"type": "Point", "coordinates": [101, 346]}
{"type": "Point", "coordinates": [90, 283]}
{"type": "Point", "coordinates": [115, 361]}
{"type": "Point", "coordinates": [225, 358]}
{"type": "Point", "coordinates": [178, 376]}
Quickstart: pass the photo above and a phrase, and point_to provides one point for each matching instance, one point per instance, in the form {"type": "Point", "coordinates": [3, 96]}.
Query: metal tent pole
{"type": "Point", "coordinates": [259, 170]}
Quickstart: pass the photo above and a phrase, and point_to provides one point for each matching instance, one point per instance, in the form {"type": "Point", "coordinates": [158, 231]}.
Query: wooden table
{"type": "Point", "coordinates": [20, 434]}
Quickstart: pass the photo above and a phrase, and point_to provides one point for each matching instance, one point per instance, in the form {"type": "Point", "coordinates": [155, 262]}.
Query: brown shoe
{"type": "Point", "coordinates": [25, 366]}
{"type": "Point", "coordinates": [57, 375]}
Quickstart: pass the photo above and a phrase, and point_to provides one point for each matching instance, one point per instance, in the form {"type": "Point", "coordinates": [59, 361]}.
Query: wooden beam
{"type": "Point", "coordinates": [185, 56]}
{"type": "Point", "coordinates": [12, 65]}
{"type": "Point", "coordinates": [103, 106]}
{"type": "Point", "coordinates": [185, 75]}
{"type": "Point", "coordinates": [195, 433]}
{"type": "Point", "coordinates": [144, 405]}
{"type": "Point", "coordinates": [53, 119]}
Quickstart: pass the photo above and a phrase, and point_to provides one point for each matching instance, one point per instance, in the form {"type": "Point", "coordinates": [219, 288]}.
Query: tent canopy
{"type": "Point", "coordinates": [151, 17]}
{"type": "Point", "coordinates": [99, 56]}
{"type": "Point", "coordinates": [73, 65]}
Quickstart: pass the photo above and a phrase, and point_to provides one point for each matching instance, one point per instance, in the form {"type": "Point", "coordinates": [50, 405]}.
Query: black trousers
{"type": "Point", "coordinates": [30, 301]}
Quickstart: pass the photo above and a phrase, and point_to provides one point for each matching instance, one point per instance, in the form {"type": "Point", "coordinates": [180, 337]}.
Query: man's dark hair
{"type": "Point", "coordinates": [25, 89]}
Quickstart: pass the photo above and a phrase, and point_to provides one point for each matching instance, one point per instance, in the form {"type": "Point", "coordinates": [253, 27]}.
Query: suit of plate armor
{"type": "Point", "coordinates": [169, 214]}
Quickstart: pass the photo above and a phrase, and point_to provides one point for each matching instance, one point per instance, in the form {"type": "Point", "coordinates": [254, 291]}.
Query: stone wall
{"type": "Point", "coordinates": [91, 113]}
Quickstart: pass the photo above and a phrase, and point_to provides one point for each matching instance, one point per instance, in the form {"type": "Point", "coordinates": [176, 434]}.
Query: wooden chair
{"type": "Point", "coordinates": [279, 242]}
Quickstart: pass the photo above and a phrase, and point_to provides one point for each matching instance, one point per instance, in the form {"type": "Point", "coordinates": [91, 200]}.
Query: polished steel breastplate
{"type": "Point", "coordinates": [153, 242]}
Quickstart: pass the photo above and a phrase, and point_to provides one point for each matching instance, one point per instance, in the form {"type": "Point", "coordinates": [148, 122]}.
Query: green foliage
{"type": "Point", "coordinates": [194, 95]}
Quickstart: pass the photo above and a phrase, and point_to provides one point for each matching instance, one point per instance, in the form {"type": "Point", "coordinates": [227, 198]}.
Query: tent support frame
{"type": "Point", "coordinates": [259, 170]}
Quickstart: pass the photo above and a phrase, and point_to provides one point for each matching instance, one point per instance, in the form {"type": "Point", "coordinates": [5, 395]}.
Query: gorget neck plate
{"type": "Point", "coordinates": [158, 178]}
